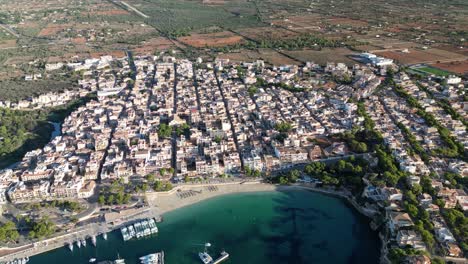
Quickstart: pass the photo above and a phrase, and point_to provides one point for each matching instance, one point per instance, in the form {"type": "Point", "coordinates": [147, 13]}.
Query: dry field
{"type": "Point", "coordinates": [266, 33]}
{"type": "Point", "coordinates": [53, 29]}
{"type": "Point", "coordinates": [213, 2]}
{"type": "Point", "coordinates": [460, 67]}
{"type": "Point", "coordinates": [217, 39]}
{"type": "Point", "coordinates": [112, 12]}
{"type": "Point", "coordinates": [301, 23]}
{"type": "Point", "coordinates": [323, 56]}
{"type": "Point", "coordinates": [416, 56]}
{"type": "Point", "coordinates": [269, 56]}
{"type": "Point", "coordinates": [114, 53]}
{"type": "Point", "coordinates": [154, 44]}
{"type": "Point", "coordinates": [460, 50]}
{"type": "Point", "coordinates": [346, 22]}
{"type": "Point", "coordinates": [389, 43]}
{"type": "Point", "coordinates": [8, 43]}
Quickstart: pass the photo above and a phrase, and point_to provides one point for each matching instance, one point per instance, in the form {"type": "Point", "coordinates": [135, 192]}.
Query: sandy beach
{"type": "Point", "coordinates": [185, 195]}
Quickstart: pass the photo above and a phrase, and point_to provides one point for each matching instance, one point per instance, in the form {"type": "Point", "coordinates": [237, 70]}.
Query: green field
{"type": "Point", "coordinates": [171, 16]}
{"type": "Point", "coordinates": [431, 70]}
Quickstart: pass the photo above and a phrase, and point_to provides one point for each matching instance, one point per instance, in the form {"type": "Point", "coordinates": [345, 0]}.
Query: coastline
{"type": "Point", "coordinates": [168, 201]}
{"type": "Point", "coordinates": [179, 197]}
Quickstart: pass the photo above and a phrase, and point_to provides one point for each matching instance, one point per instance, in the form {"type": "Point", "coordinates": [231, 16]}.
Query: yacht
{"type": "Point", "coordinates": [83, 242]}
{"type": "Point", "coordinates": [70, 246]}
{"type": "Point", "coordinates": [131, 231]}
{"type": "Point", "coordinates": [205, 257]}
{"type": "Point", "coordinates": [155, 258]}
{"type": "Point", "coordinates": [92, 260]}
{"type": "Point", "coordinates": [152, 226]}
{"type": "Point", "coordinates": [104, 235]}
{"type": "Point", "coordinates": [93, 240]}
{"type": "Point", "coordinates": [78, 243]}
{"type": "Point", "coordinates": [125, 233]}
{"type": "Point", "coordinates": [119, 260]}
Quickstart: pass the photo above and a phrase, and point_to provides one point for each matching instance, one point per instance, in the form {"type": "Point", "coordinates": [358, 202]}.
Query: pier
{"type": "Point", "coordinates": [223, 257]}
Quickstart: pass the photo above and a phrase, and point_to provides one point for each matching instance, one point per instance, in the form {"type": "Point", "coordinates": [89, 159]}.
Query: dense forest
{"type": "Point", "coordinates": [21, 131]}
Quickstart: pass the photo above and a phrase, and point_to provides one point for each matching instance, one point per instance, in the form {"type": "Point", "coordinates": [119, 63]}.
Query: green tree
{"type": "Point", "coordinates": [8, 232]}
{"type": "Point", "coordinates": [150, 178]}
{"type": "Point", "coordinates": [102, 199]}
{"type": "Point", "coordinates": [164, 131]}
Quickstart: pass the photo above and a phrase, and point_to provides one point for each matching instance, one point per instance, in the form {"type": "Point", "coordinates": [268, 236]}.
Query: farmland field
{"type": "Point", "coordinates": [175, 16]}
{"type": "Point", "coordinates": [211, 40]}
{"type": "Point", "coordinates": [323, 56]}
{"type": "Point", "coordinates": [415, 56]}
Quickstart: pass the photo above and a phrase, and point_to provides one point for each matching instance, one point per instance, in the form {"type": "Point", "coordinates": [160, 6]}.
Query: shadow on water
{"type": "Point", "coordinates": [296, 220]}
{"type": "Point", "coordinates": [265, 227]}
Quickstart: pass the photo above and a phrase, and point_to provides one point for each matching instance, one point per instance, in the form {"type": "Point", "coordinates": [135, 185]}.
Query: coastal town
{"type": "Point", "coordinates": [391, 142]}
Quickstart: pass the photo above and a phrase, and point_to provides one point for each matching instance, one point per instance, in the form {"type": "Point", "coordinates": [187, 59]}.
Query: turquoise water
{"type": "Point", "coordinates": [264, 227]}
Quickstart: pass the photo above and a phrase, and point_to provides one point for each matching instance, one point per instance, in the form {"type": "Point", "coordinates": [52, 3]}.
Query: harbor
{"type": "Point", "coordinates": [323, 223]}
{"type": "Point", "coordinates": [77, 238]}
{"type": "Point", "coordinates": [139, 229]}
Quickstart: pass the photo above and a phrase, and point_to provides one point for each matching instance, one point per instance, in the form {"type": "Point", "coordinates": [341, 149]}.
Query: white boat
{"type": "Point", "coordinates": [78, 243]}
{"type": "Point", "coordinates": [70, 246]}
{"type": "Point", "coordinates": [92, 260]}
{"type": "Point", "coordinates": [155, 258]}
{"type": "Point", "coordinates": [152, 226]}
{"type": "Point", "coordinates": [19, 261]}
{"type": "Point", "coordinates": [83, 242]}
{"type": "Point", "coordinates": [131, 231]}
{"type": "Point", "coordinates": [138, 230]}
{"type": "Point", "coordinates": [93, 240]}
{"type": "Point", "coordinates": [125, 234]}
{"type": "Point", "coordinates": [104, 235]}
{"type": "Point", "coordinates": [119, 260]}
{"type": "Point", "coordinates": [205, 257]}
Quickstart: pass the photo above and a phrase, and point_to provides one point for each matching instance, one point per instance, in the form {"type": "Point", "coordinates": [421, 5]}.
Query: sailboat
{"type": "Point", "coordinates": [119, 260]}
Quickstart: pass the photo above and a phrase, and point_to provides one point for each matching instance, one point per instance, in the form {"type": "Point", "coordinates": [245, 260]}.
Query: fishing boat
{"type": "Point", "coordinates": [78, 243]}
{"type": "Point", "coordinates": [92, 260]}
{"type": "Point", "coordinates": [104, 235]}
{"type": "Point", "coordinates": [83, 242]}
{"type": "Point", "coordinates": [93, 240]}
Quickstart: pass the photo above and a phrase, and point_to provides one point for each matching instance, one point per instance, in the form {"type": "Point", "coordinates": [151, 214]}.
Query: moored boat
{"type": "Point", "coordinates": [154, 258]}
{"type": "Point", "coordinates": [70, 246]}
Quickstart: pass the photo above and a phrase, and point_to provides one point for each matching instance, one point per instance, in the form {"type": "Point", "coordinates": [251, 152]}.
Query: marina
{"type": "Point", "coordinates": [324, 223]}
{"type": "Point", "coordinates": [139, 229]}
{"type": "Point", "coordinates": [19, 261]}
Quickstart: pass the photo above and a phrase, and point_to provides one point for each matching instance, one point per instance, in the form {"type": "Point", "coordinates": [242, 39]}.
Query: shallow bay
{"type": "Point", "coordinates": [265, 227]}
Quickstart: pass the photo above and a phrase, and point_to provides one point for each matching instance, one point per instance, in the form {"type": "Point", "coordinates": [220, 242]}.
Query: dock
{"type": "Point", "coordinates": [223, 257]}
